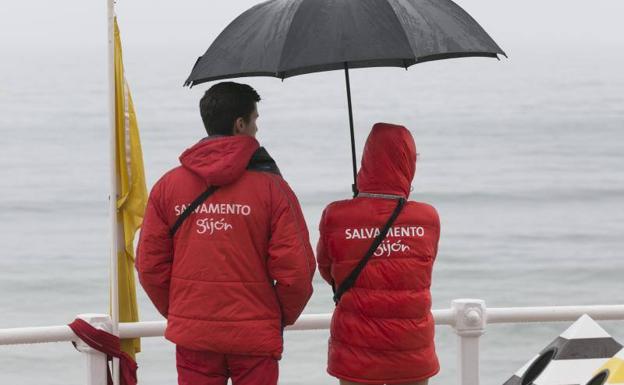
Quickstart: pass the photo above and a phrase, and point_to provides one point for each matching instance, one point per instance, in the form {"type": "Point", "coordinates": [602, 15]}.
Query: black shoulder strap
{"type": "Point", "coordinates": [350, 280]}
{"type": "Point", "coordinates": [198, 201]}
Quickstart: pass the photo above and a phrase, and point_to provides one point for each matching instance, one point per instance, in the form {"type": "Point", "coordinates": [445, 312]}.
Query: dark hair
{"type": "Point", "coordinates": [225, 102]}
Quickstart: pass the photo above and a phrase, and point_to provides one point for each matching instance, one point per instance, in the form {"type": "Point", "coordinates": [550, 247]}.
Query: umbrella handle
{"type": "Point", "coordinates": [354, 186]}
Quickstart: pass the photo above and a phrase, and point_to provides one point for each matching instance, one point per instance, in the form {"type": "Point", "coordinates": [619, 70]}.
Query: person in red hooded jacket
{"type": "Point", "coordinates": [232, 274]}
{"type": "Point", "coordinates": [382, 329]}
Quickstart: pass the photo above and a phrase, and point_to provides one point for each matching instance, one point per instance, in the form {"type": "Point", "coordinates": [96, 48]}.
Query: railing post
{"type": "Point", "coordinates": [97, 364]}
{"type": "Point", "coordinates": [470, 322]}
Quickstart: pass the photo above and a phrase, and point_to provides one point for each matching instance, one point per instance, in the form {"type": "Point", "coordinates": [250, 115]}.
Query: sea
{"type": "Point", "coordinates": [523, 158]}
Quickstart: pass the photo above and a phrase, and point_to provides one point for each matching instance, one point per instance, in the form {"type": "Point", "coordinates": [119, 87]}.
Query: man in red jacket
{"type": "Point", "coordinates": [224, 252]}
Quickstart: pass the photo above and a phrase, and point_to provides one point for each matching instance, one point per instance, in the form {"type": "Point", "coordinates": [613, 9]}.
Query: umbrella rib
{"type": "Point", "coordinates": [409, 43]}
{"type": "Point", "coordinates": [278, 73]}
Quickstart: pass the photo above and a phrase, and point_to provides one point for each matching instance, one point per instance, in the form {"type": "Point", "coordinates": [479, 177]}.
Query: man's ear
{"type": "Point", "coordinates": [239, 126]}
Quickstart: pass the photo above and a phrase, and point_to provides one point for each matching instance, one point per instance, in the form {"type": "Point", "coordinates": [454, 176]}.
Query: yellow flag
{"type": "Point", "coordinates": [132, 193]}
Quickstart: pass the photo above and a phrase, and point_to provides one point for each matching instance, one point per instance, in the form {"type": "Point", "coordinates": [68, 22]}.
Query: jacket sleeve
{"type": "Point", "coordinates": [290, 261]}
{"type": "Point", "coordinates": [322, 252]}
{"type": "Point", "coordinates": [155, 254]}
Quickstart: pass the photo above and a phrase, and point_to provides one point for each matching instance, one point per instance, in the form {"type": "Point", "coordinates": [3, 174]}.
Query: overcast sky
{"type": "Point", "coordinates": [41, 24]}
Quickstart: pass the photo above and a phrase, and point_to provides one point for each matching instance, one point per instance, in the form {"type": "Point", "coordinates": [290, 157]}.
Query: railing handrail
{"type": "Point", "coordinates": [542, 314]}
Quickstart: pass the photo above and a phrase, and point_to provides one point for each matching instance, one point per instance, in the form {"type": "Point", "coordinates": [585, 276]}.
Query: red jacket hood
{"type": "Point", "coordinates": [388, 161]}
{"type": "Point", "coordinates": [221, 160]}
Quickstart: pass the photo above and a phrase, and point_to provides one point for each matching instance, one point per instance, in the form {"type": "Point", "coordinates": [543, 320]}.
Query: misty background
{"type": "Point", "coordinates": [522, 157]}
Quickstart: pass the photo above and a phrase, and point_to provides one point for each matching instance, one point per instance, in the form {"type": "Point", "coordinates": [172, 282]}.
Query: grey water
{"type": "Point", "coordinates": [522, 157]}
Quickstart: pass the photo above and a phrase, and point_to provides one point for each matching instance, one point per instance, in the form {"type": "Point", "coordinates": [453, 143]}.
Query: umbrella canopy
{"type": "Point", "coordinates": [284, 38]}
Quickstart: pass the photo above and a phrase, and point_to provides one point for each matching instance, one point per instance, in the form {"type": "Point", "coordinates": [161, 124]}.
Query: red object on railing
{"type": "Point", "coordinates": [110, 345]}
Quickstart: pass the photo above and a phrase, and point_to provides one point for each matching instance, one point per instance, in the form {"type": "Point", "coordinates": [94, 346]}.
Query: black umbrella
{"type": "Point", "coordinates": [284, 38]}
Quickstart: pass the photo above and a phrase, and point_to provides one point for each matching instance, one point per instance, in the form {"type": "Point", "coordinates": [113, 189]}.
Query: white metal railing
{"type": "Point", "coordinates": [468, 318]}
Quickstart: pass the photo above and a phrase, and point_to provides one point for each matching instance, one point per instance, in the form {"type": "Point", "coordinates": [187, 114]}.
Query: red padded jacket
{"type": "Point", "coordinates": [382, 329]}
{"type": "Point", "coordinates": [240, 267]}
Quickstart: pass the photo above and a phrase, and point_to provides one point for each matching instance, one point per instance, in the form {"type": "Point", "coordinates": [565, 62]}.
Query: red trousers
{"type": "Point", "coordinates": [208, 368]}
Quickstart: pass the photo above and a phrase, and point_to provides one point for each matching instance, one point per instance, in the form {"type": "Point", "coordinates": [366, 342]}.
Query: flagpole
{"type": "Point", "coordinates": [114, 225]}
